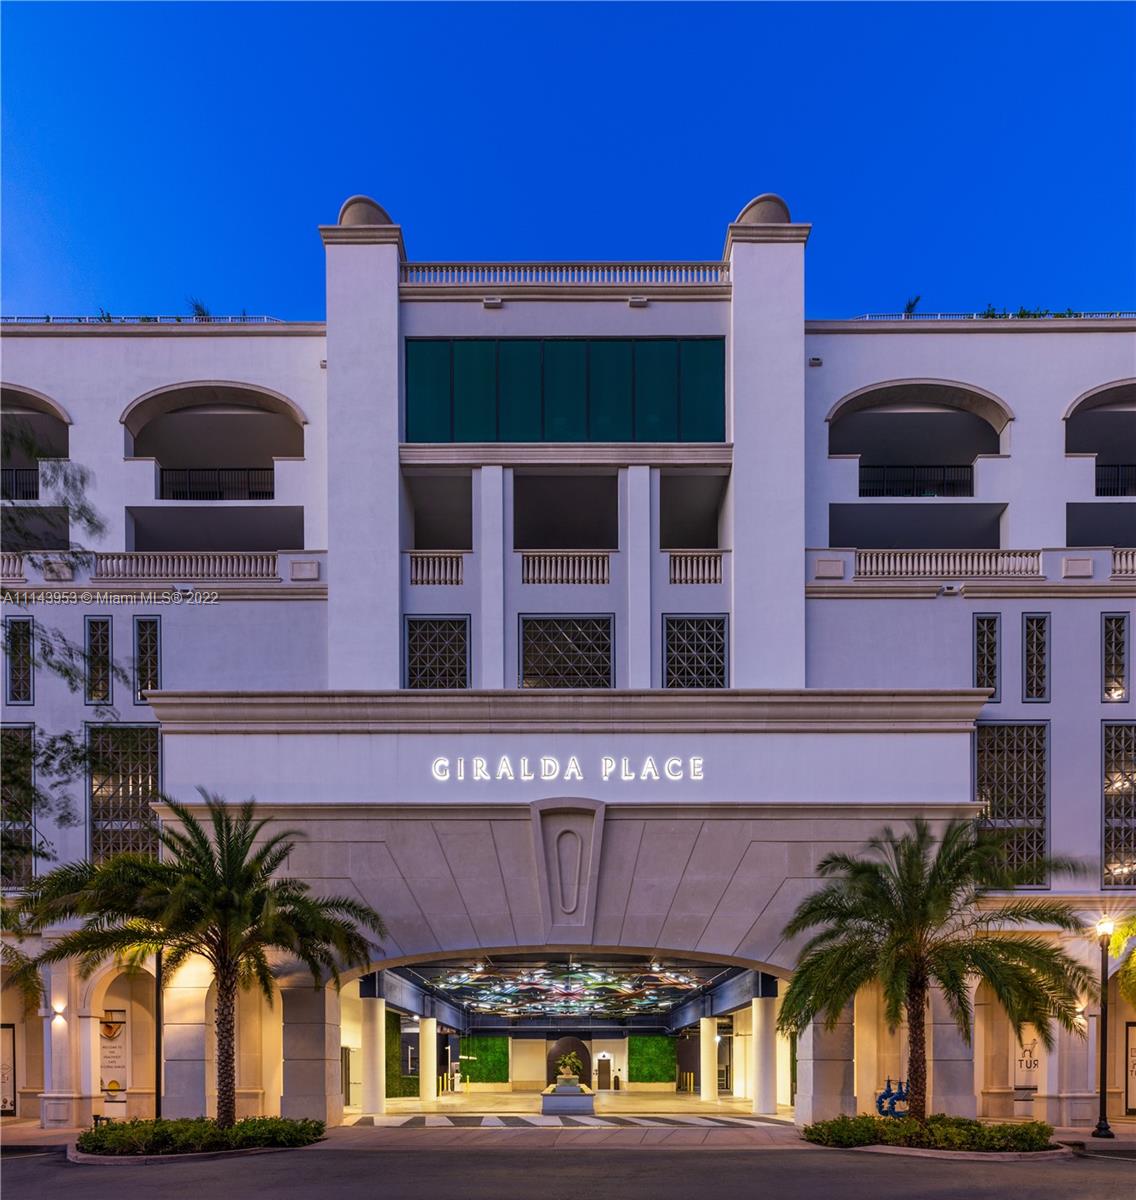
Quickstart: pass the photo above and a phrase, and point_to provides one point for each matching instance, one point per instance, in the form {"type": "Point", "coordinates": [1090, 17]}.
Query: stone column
{"type": "Point", "coordinates": [428, 1059]}
{"type": "Point", "coordinates": [763, 1050]}
{"type": "Point", "coordinates": [489, 662]}
{"type": "Point", "coordinates": [950, 1064]}
{"type": "Point", "coordinates": [825, 1071]}
{"type": "Point", "coordinates": [183, 1040]}
{"type": "Point", "coordinates": [637, 548]}
{"type": "Point", "coordinates": [58, 1104]}
{"type": "Point", "coordinates": [708, 1059]}
{"type": "Point", "coordinates": [374, 1030]}
{"type": "Point", "coordinates": [313, 1086]}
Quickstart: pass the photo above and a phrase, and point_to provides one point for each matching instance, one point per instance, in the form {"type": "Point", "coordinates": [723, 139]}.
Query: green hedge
{"type": "Point", "coordinates": [651, 1059]}
{"type": "Point", "coordinates": [193, 1135]}
{"type": "Point", "coordinates": [488, 1061]}
{"type": "Point", "coordinates": [939, 1132]}
{"type": "Point", "coordinates": [398, 1084]}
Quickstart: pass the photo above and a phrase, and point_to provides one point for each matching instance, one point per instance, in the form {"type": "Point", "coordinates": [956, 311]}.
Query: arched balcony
{"type": "Point", "coordinates": [1103, 424]}
{"type": "Point", "coordinates": [34, 432]}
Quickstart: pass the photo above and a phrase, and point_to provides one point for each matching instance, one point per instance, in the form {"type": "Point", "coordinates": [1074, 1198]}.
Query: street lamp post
{"type": "Point", "coordinates": [1104, 935]}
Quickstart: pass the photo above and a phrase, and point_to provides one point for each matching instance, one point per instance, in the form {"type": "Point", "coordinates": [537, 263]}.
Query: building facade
{"type": "Point", "coordinates": [573, 612]}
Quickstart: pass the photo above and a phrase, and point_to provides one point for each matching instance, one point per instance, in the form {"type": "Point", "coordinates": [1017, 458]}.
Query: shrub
{"type": "Point", "coordinates": [191, 1135]}
{"type": "Point", "coordinates": [939, 1132]}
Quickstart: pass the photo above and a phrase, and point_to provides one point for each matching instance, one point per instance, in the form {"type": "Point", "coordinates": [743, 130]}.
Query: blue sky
{"type": "Point", "coordinates": [973, 153]}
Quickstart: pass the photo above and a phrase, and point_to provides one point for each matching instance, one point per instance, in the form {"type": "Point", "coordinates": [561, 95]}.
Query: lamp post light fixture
{"type": "Point", "coordinates": [1105, 927]}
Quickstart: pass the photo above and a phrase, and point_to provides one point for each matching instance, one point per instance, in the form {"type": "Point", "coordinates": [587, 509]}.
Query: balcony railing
{"type": "Point", "coordinates": [436, 568]}
{"type": "Point", "coordinates": [569, 275]}
{"type": "Point", "coordinates": [1116, 479]}
{"type": "Point", "coordinates": [1124, 564]}
{"type": "Point", "coordinates": [197, 566]}
{"type": "Point", "coordinates": [565, 567]}
{"type": "Point", "coordinates": [695, 566]}
{"type": "Point", "coordinates": [947, 564]}
{"type": "Point", "coordinates": [19, 483]}
{"type": "Point", "coordinates": [11, 566]}
{"type": "Point", "coordinates": [217, 483]}
{"type": "Point", "coordinates": [916, 481]}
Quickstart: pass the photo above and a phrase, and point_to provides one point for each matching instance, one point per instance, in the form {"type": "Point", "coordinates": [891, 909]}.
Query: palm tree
{"type": "Point", "coordinates": [912, 913]}
{"type": "Point", "coordinates": [215, 894]}
{"type": "Point", "coordinates": [1123, 934]}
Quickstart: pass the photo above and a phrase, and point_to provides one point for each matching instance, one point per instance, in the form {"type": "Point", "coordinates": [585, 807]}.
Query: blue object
{"type": "Point", "coordinates": [890, 1097]}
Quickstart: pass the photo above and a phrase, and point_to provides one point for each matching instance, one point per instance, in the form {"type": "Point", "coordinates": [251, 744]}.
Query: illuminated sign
{"type": "Point", "coordinates": [547, 768]}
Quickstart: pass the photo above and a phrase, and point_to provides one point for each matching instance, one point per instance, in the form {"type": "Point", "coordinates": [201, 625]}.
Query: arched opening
{"type": "Point", "coordinates": [916, 440]}
{"type": "Point", "coordinates": [34, 433]}
{"type": "Point", "coordinates": [122, 1042]}
{"type": "Point", "coordinates": [1103, 424]}
{"type": "Point", "coordinates": [215, 442]}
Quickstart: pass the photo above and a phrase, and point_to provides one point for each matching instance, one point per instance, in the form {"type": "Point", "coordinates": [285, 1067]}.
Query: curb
{"type": "Point", "coordinates": [145, 1160]}
{"type": "Point", "coordinates": [1057, 1155]}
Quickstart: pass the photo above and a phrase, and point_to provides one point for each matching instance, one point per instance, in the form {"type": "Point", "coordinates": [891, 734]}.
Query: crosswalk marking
{"type": "Point", "coordinates": [539, 1121]}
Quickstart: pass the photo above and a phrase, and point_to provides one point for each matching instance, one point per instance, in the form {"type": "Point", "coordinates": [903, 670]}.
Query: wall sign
{"type": "Point", "coordinates": [112, 1055]}
{"type": "Point", "coordinates": [548, 768]}
{"type": "Point", "coordinates": [1130, 1068]}
{"type": "Point", "coordinates": [1027, 1063]}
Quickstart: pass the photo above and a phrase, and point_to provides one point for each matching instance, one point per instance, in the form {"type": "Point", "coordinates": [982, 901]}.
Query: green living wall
{"type": "Point", "coordinates": [485, 1059]}
{"type": "Point", "coordinates": [651, 1059]}
{"type": "Point", "coordinates": [398, 1084]}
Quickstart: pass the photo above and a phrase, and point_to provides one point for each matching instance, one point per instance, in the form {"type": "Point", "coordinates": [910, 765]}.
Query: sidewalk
{"type": "Point", "coordinates": [19, 1133]}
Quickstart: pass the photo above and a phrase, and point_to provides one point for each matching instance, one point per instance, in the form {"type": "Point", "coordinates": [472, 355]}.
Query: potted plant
{"type": "Point", "coordinates": [569, 1066]}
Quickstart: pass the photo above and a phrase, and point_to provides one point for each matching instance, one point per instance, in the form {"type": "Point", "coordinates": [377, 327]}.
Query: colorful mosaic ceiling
{"type": "Point", "coordinates": [585, 988]}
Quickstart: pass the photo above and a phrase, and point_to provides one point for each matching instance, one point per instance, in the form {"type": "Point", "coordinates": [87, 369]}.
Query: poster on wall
{"type": "Point", "coordinates": [7, 1070]}
{"type": "Point", "coordinates": [113, 1056]}
{"type": "Point", "coordinates": [1130, 1068]}
{"type": "Point", "coordinates": [1027, 1062]}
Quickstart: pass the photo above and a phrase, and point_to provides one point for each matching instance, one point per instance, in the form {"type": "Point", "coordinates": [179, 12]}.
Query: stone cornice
{"type": "Point", "coordinates": [364, 235]}
{"type": "Point", "coordinates": [986, 589]}
{"type": "Point", "coordinates": [1070, 325]}
{"type": "Point", "coordinates": [189, 329]}
{"type": "Point", "coordinates": [738, 233]}
{"type": "Point", "coordinates": [608, 712]}
{"type": "Point", "coordinates": [226, 591]}
{"type": "Point", "coordinates": [479, 454]}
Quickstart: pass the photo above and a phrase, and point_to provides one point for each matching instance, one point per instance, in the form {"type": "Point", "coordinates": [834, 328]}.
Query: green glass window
{"type": "Point", "coordinates": [702, 378]}
{"type": "Point", "coordinates": [656, 391]}
{"type": "Point", "coordinates": [519, 410]}
{"type": "Point", "coordinates": [475, 391]}
{"type": "Point", "coordinates": [565, 391]}
{"type": "Point", "coordinates": [609, 391]}
{"type": "Point", "coordinates": [428, 392]}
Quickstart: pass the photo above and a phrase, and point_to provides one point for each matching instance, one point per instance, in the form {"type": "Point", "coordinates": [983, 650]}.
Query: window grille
{"type": "Point", "coordinates": [20, 647]}
{"type": "Point", "coordinates": [99, 672]}
{"type": "Point", "coordinates": [437, 652]}
{"type": "Point", "coordinates": [566, 652]}
{"type": "Point", "coordinates": [695, 652]}
{"type": "Point", "coordinates": [1035, 656]}
{"type": "Point", "coordinates": [17, 774]}
{"type": "Point", "coordinates": [1120, 805]}
{"type": "Point", "coordinates": [1114, 642]}
{"type": "Point", "coordinates": [986, 666]}
{"type": "Point", "coordinates": [1012, 782]}
{"type": "Point", "coordinates": [147, 656]}
{"type": "Point", "coordinates": [124, 780]}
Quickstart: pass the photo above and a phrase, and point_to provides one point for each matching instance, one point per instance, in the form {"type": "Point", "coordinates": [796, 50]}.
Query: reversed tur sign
{"type": "Point", "coordinates": [547, 768]}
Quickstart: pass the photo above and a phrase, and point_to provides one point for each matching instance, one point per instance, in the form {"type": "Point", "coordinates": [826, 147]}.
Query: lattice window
{"type": "Point", "coordinates": [124, 775]}
{"type": "Point", "coordinates": [147, 656]}
{"type": "Point", "coordinates": [566, 652]}
{"type": "Point", "coordinates": [437, 652]}
{"type": "Point", "coordinates": [1120, 805]}
{"type": "Point", "coordinates": [20, 648]}
{"type": "Point", "coordinates": [986, 666]}
{"type": "Point", "coordinates": [1114, 645]}
{"type": "Point", "coordinates": [17, 827]}
{"type": "Point", "coordinates": [695, 652]}
{"type": "Point", "coordinates": [99, 673]}
{"type": "Point", "coordinates": [1012, 781]}
{"type": "Point", "coordinates": [1035, 656]}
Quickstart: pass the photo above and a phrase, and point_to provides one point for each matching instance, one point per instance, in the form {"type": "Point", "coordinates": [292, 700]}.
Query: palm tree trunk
{"type": "Point", "coordinates": [226, 1044]}
{"type": "Point", "coordinates": [917, 1051]}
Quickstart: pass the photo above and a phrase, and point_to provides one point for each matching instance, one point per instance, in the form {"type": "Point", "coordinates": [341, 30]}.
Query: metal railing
{"type": "Point", "coordinates": [916, 481]}
{"type": "Point", "coordinates": [51, 319]}
{"type": "Point", "coordinates": [19, 483]}
{"type": "Point", "coordinates": [189, 565]}
{"type": "Point", "coordinates": [436, 568]}
{"type": "Point", "coordinates": [1116, 479]}
{"type": "Point", "coordinates": [988, 316]}
{"type": "Point", "coordinates": [565, 566]}
{"type": "Point", "coordinates": [11, 566]}
{"type": "Point", "coordinates": [695, 566]}
{"type": "Point", "coordinates": [217, 483]}
{"type": "Point", "coordinates": [551, 274]}
{"type": "Point", "coordinates": [1124, 564]}
{"type": "Point", "coordinates": [947, 564]}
